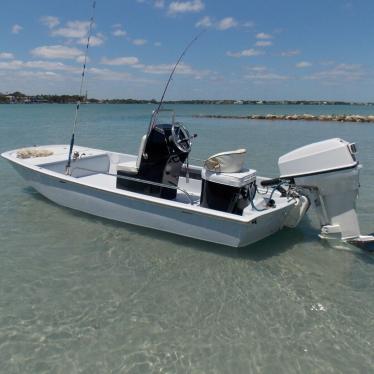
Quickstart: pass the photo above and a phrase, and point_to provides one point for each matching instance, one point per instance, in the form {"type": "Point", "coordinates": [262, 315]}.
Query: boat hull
{"type": "Point", "coordinates": [145, 213]}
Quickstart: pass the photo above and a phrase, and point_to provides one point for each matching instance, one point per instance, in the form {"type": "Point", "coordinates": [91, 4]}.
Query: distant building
{"type": "Point", "coordinates": [11, 98]}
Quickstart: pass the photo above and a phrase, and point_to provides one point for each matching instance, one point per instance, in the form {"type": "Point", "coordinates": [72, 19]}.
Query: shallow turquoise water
{"type": "Point", "coordinates": [79, 294]}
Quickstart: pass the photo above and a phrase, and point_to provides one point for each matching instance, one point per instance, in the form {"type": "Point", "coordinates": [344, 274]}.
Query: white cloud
{"type": "Point", "coordinates": [39, 74]}
{"type": "Point", "coordinates": [266, 76]}
{"type": "Point", "coordinates": [183, 69]}
{"type": "Point", "coordinates": [204, 22]}
{"type": "Point", "coordinates": [192, 6]}
{"type": "Point", "coordinates": [6, 55]}
{"type": "Point", "coordinates": [139, 42]}
{"type": "Point", "coordinates": [262, 73]}
{"type": "Point", "coordinates": [73, 29]}
{"type": "Point", "coordinates": [226, 23]}
{"type": "Point", "coordinates": [159, 3]}
{"type": "Point", "coordinates": [161, 68]}
{"type": "Point", "coordinates": [48, 65]}
{"type": "Point", "coordinates": [39, 64]}
{"type": "Point", "coordinates": [50, 21]}
{"type": "Point", "coordinates": [81, 59]}
{"type": "Point", "coordinates": [157, 44]}
{"type": "Point", "coordinates": [11, 65]}
{"type": "Point", "coordinates": [119, 32]}
{"type": "Point", "coordinates": [223, 24]}
{"type": "Point", "coordinates": [262, 35]}
{"type": "Point", "coordinates": [303, 64]}
{"type": "Point", "coordinates": [264, 43]}
{"type": "Point", "coordinates": [95, 40]}
{"type": "Point", "coordinates": [156, 3]}
{"type": "Point", "coordinates": [107, 74]}
{"type": "Point", "coordinates": [16, 29]}
{"type": "Point", "coordinates": [258, 68]}
{"type": "Point", "coordinates": [340, 72]}
{"type": "Point", "coordinates": [249, 24]}
{"type": "Point", "coordinates": [110, 75]}
{"type": "Point", "coordinates": [120, 61]}
{"type": "Point", "coordinates": [291, 53]}
{"type": "Point", "coordinates": [56, 51]}
{"type": "Point", "coordinates": [245, 53]}
{"type": "Point", "coordinates": [78, 31]}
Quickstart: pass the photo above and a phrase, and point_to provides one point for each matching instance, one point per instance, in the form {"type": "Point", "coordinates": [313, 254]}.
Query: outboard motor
{"type": "Point", "coordinates": [329, 173]}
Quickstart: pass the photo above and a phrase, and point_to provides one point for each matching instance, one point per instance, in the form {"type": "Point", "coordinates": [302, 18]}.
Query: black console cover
{"type": "Point", "coordinates": [161, 163]}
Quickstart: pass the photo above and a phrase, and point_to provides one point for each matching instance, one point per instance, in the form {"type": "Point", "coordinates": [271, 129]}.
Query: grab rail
{"type": "Point", "coordinates": [137, 180]}
{"type": "Point", "coordinates": [154, 115]}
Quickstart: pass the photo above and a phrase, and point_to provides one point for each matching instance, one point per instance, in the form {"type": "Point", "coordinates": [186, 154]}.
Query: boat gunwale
{"type": "Point", "coordinates": [183, 207]}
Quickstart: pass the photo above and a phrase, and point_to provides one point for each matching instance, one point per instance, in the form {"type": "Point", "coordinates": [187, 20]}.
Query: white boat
{"type": "Point", "coordinates": [221, 201]}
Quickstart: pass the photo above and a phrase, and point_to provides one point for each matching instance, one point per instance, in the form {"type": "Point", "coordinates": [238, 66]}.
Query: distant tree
{"type": "Point", "coordinates": [18, 94]}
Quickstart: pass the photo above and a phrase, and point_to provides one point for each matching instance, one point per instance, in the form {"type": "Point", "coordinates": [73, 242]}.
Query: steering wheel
{"type": "Point", "coordinates": [181, 137]}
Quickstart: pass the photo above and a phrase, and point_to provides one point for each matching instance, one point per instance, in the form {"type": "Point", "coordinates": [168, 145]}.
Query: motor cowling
{"type": "Point", "coordinates": [328, 172]}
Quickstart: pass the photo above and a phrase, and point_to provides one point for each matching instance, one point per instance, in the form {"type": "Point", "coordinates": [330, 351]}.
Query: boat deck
{"type": "Point", "coordinates": [59, 153]}
{"type": "Point", "coordinates": [191, 196]}
{"type": "Point", "coordinates": [107, 181]}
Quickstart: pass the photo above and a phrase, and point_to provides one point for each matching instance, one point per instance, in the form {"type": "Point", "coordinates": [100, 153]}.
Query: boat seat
{"type": "Point", "coordinates": [132, 167]}
{"type": "Point", "coordinates": [226, 162]}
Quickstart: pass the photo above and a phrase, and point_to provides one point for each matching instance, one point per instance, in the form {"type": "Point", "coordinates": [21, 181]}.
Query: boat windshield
{"type": "Point", "coordinates": [161, 116]}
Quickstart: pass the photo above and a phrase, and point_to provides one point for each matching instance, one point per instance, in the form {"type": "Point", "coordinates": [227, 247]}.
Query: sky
{"type": "Point", "coordinates": [252, 49]}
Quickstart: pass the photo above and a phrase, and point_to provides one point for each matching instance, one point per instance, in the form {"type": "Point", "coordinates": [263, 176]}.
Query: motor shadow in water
{"type": "Point", "coordinates": [366, 254]}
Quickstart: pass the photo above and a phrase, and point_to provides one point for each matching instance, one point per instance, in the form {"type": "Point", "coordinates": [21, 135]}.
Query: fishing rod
{"type": "Point", "coordinates": [170, 78]}
{"type": "Point", "coordinates": [92, 20]}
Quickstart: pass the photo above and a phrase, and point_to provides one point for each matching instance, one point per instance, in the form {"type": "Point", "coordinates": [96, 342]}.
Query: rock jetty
{"type": "Point", "coordinates": [295, 117]}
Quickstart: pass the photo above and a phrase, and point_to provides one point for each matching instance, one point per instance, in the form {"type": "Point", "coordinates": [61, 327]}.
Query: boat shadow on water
{"type": "Point", "coordinates": [274, 245]}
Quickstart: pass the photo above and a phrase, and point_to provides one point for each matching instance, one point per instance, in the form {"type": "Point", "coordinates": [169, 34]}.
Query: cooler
{"type": "Point", "coordinates": [227, 192]}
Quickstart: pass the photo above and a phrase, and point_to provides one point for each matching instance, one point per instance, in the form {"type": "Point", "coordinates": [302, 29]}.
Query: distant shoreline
{"type": "Point", "coordinates": [21, 98]}
{"type": "Point", "coordinates": [294, 117]}
{"type": "Point", "coordinates": [187, 102]}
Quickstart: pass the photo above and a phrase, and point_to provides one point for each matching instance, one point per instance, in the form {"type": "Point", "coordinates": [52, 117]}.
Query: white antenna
{"type": "Point", "coordinates": [67, 168]}
{"type": "Point", "coordinates": [153, 121]}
